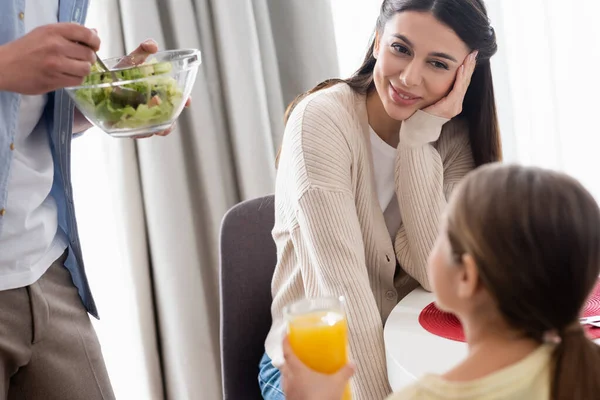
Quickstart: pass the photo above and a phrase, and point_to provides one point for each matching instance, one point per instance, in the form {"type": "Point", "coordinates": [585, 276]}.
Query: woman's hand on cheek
{"type": "Point", "coordinates": [451, 105]}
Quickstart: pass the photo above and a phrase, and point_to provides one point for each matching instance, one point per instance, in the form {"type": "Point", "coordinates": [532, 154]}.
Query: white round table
{"type": "Point", "coordinates": [411, 351]}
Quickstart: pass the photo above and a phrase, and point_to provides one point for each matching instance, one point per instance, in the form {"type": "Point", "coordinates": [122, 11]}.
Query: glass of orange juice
{"type": "Point", "coordinates": [318, 334]}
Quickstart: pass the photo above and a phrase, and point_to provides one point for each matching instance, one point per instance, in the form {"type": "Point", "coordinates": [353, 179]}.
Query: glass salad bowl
{"type": "Point", "coordinates": [136, 100]}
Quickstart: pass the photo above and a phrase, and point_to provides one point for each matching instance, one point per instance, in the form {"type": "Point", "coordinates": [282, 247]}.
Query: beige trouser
{"type": "Point", "coordinates": [48, 347]}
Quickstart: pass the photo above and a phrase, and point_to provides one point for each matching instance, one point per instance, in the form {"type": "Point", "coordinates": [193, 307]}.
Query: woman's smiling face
{"type": "Point", "coordinates": [417, 61]}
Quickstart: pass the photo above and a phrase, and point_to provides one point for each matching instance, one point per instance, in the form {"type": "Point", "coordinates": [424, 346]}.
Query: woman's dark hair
{"type": "Point", "coordinates": [535, 237]}
{"type": "Point", "coordinates": [468, 18]}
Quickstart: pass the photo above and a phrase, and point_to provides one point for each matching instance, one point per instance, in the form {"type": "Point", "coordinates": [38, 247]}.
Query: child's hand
{"type": "Point", "coordinates": [302, 383]}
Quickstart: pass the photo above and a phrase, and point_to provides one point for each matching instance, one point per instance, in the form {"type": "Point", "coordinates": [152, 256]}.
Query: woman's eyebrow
{"type": "Point", "coordinates": [435, 54]}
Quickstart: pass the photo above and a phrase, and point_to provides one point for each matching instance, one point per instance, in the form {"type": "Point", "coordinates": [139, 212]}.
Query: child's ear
{"type": "Point", "coordinates": [469, 279]}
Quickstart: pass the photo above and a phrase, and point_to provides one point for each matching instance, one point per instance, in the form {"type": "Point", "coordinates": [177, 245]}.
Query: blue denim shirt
{"type": "Point", "coordinates": [59, 115]}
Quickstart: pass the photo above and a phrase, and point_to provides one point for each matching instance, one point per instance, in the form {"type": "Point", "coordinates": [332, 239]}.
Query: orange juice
{"type": "Point", "coordinates": [319, 339]}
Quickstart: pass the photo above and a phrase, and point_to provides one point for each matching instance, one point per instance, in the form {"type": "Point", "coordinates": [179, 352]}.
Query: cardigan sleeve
{"type": "Point", "coordinates": [429, 164]}
{"type": "Point", "coordinates": [327, 235]}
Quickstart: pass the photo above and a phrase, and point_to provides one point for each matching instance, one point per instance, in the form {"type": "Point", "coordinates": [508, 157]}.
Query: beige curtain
{"type": "Point", "coordinates": [167, 195]}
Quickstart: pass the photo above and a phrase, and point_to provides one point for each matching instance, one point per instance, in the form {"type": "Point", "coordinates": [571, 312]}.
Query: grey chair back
{"type": "Point", "coordinates": [248, 257]}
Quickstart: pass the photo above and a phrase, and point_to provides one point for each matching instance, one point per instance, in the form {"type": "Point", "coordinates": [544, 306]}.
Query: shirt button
{"type": "Point", "coordinates": [2, 212]}
{"type": "Point", "coordinates": [390, 295]}
{"type": "Point", "coordinates": [21, 15]}
{"type": "Point", "coordinates": [12, 146]}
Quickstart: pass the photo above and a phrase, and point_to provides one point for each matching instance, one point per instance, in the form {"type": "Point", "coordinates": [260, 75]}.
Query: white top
{"type": "Point", "coordinates": [411, 351]}
{"type": "Point", "coordinates": [31, 240]}
{"type": "Point", "coordinates": [384, 164]}
{"type": "Point", "coordinates": [529, 378]}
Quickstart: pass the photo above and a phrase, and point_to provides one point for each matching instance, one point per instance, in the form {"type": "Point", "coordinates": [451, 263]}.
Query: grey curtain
{"type": "Point", "coordinates": [257, 56]}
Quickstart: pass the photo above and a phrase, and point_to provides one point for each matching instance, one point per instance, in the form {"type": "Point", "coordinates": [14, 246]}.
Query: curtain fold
{"type": "Point", "coordinates": [167, 195]}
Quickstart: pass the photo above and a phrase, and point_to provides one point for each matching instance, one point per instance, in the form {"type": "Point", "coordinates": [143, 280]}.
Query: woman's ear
{"type": "Point", "coordinates": [469, 279]}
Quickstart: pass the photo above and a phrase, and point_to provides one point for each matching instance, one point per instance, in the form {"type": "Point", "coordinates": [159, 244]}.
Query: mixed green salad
{"type": "Point", "coordinates": [161, 92]}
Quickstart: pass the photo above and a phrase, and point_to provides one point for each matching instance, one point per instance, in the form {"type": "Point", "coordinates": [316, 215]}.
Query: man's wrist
{"type": "Point", "coordinates": [4, 79]}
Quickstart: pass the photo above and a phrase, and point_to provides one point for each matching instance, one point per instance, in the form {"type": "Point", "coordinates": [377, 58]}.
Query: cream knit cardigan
{"type": "Point", "coordinates": [329, 228]}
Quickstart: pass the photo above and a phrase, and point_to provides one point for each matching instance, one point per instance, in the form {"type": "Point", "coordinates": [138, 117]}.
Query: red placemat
{"type": "Point", "coordinates": [446, 325]}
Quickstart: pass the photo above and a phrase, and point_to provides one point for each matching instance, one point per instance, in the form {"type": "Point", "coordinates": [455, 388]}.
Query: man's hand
{"type": "Point", "coordinates": [48, 58]}
{"type": "Point", "coordinates": [138, 56]}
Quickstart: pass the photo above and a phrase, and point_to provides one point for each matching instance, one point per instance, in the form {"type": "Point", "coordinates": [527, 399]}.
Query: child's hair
{"type": "Point", "coordinates": [535, 236]}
